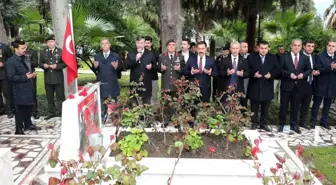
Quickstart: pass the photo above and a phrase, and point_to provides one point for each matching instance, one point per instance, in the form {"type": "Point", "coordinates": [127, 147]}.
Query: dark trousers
{"type": "Point", "coordinates": [264, 110]}
{"type": "Point", "coordinates": [23, 115]}
{"type": "Point", "coordinates": [51, 90]}
{"type": "Point", "coordinates": [5, 90]}
{"type": "Point", "coordinates": [35, 107]}
{"type": "Point", "coordinates": [214, 88]}
{"type": "Point", "coordinates": [325, 111]}
{"type": "Point", "coordinates": [306, 97]}
{"type": "Point", "coordinates": [293, 97]}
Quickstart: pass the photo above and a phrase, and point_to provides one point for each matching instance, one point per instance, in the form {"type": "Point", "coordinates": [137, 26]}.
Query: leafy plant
{"type": "Point", "coordinates": [92, 172]}
{"type": "Point", "coordinates": [193, 139]}
{"type": "Point", "coordinates": [131, 144]}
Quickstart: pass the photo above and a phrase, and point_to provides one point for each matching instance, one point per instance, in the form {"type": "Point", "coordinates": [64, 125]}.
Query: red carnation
{"type": "Point", "coordinates": [274, 170]}
{"type": "Point", "coordinates": [279, 165]}
{"type": "Point", "coordinates": [254, 151]}
{"type": "Point", "coordinates": [259, 175]}
{"type": "Point", "coordinates": [212, 149]}
{"type": "Point", "coordinates": [51, 147]}
{"type": "Point", "coordinates": [112, 137]}
{"type": "Point", "coordinates": [126, 109]}
{"type": "Point", "coordinates": [71, 96]}
{"type": "Point", "coordinates": [83, 93]}
{"type": "Point", "coordinates": [64, 171]}
{"type": "Point", "coordinates": [297, 176]}
{"type": "Point", "coordinates": [299, 151]}
{"type": "Point", "coordinates": [80, 88]}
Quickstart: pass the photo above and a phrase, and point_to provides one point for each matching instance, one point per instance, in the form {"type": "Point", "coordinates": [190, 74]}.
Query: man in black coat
{"type": "Point", "coordinates": [307, 95]}
{"type": "Point", "coordinates": [155, 76]}
{"type": "Point", "coordinates": [20, 75]}
{"type": "Point", "coordinates": [188, 56]}
{"type": "Point", "coordinates": [295, 69]}
{"type": "Point", "coordinates": [233, 70]}
{"type": "Point", "coordinates": [263, 68]}
{"type": "Point", "coordinates": [225, 53]}
{"type": "Point", "coordinates": [325, 84]}
{"type": "Point", "coordinates": [142, 64]}
{"type": "Point", "coordinates": [31, 58]}
{"type": "Point", "coordinates": [5, 89]}
{"type": "Point", "coordinates": [202, 68]}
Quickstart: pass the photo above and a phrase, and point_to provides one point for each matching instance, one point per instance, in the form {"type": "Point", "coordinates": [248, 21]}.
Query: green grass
{"type": "Point", "coordinates": [324, 159]}
{"type": "Point", "coordinates": [84, 66]}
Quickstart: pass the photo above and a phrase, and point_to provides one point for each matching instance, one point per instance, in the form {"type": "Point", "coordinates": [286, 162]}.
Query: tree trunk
{"type": "Point", "coordinates": [59, 12]}
{"type": "Point", "coordinates": [251, 26]}
{"type": "Point", "coordinates": [3, 35]}
{"type": "Point", "coordinates": [171, 19]}
{"type": "Point", "coordinates": [212, 47]}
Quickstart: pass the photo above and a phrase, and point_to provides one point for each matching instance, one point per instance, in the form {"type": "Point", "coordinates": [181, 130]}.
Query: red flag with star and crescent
{"type": "Point", "coordinates": [68, 54]}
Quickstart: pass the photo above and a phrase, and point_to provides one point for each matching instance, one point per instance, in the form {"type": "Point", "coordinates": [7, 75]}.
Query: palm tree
{"type": "Point", "coordinates": [228, 31]}
{"type": "Point", "coordinates": [286, 26]}
{"type": "Point", "coordinates": [330, 14]}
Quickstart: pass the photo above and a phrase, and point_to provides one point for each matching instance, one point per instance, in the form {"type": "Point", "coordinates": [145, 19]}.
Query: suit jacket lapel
{"type": "Point", "coordinates": [289, 56]}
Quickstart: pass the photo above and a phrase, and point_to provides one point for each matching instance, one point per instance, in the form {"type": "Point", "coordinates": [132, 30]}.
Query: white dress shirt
{"type": "Point", "coordinates": [235, 57]}
{"type": "Point", "coordinates": [185, 55]}
{"type": "Point", "coordinates": [293, 57]}
{"type": "Point", "coordinates": [106, 54]}
{"type": "Point", "coordinates": [311, 63]}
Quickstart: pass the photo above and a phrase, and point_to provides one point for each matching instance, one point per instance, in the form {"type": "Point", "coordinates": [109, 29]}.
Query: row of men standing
{"type": "Point", "coordinates": [300, 76]}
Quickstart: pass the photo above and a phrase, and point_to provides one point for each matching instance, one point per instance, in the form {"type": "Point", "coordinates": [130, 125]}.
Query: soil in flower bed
{"type": "Point", "coordinates": [236, 149]}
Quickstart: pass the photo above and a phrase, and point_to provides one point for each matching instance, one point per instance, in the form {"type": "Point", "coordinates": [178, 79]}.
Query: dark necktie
{"type": "Point", "coordinates": [50, 51]}
{"type": "Point", "coordinates": [234, 63]}
{"type": "Point", "coordinates": [262, 59]}
{"type": "Point", "coordinates": [201, 65]}
{"type": "Point", "coordinates": [296, 61]}
{"type": "Point", "coordinates": [171, 57]}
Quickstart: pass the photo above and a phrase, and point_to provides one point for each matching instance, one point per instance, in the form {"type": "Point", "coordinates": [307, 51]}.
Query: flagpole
{"type": "Point", "coordinates": [73, 40]}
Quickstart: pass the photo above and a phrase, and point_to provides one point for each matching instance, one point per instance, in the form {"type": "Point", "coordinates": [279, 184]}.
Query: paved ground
{"type": "Point", "coordinates": [30, 151]}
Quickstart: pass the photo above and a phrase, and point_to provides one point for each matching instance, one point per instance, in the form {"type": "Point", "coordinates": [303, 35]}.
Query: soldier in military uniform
{"type": "Point", "coordinates": [52, 63]}
{"type": "Point", "coordinates": [171, 66]}
{"type": "Point", "coordinates": [31, 58]}
{"type": "Point", "coordinates": [5, 54]}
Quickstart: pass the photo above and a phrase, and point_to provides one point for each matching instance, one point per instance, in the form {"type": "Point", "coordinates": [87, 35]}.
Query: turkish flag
{"type": "Point", "coordinates": [68, 54]}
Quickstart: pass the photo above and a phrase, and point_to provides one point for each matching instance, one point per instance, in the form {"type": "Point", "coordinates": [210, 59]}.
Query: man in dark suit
{"type": "Point", "coordinates": [325, 84]}
{"type": "Point", "coordinates": [5, 89]}
{"type": "Point", "coordinates": [233, 70]}
{"type": "Point", "coordinates": [280, 52]}
{"type": "Point", "coordinates": [193, 48]}
{"type": "Point", "coordinates": [225, 53]}
{"type": "Point", "coordinates": [295, 69]}
{"type": "Point", "coordinates": [202, 68]}
{"type": "Point", "coordinates": [155, 77]}
{"type": "Point", "coordinates": [263, 68]}
{"type": "Point", "coordinates": [31, 58]}
{"type": "Point", "coordinates": [107, 64]}
{"type": "Point", "coordinates": [52, 64]}
{"type": "Point", "coordinates": [188, 56]}
{"type": "Point", "coordinates": [142, 63]}
{"type": "Point", "coordinates": [20, 76]}
{"type": "Point", "coordinates": [307, 95]}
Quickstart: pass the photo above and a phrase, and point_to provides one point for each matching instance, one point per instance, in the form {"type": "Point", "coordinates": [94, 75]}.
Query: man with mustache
{"type": "Point", "coordinates": [203, 68]}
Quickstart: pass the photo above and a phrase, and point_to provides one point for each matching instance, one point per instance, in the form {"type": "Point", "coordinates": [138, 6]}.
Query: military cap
{"type": "Point", "coordinates": [50, 37]}
{"type": "Point", "coordinates": [225, 48]}
{"type": "Point", "coordinates": [18, 40]}
{"type": "Point", "coordinates": [169, 41]}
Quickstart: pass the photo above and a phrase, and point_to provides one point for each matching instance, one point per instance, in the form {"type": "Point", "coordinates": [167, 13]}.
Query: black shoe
{"type": "Point", "coordinates": [281, 127]}
{"type": "Point", "coordinates": [10, 115]}
{"type": "Point", "coordinates": [49, 117]}
{"type": "Point", "coordinates": [254, 126]}
{"type": "Point", "coordinates": [326, 127]}
{"type": "Point", "coordinates": [295, 129]}
{"type": "Point", "coordinates": [304, 126]}
{"type": "Point", "coordinates": [312, 125]}
{"type": "Point", "coordinates": [32, 127]}
{"type": "Point", "coordinates": [36, 116]}
{"type": "Point", "coordinates": [19, 132]}
{"type": "Point", "coordinates": [266, 128]}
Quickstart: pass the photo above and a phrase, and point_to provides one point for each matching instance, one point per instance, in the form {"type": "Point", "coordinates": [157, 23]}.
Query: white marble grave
{"type": "Point", "coordinates": [6, 170]}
